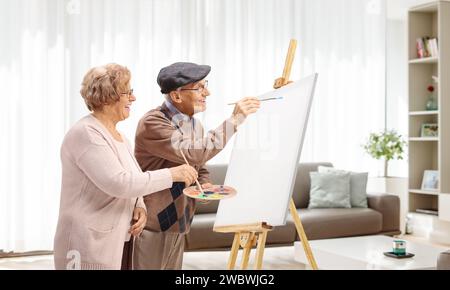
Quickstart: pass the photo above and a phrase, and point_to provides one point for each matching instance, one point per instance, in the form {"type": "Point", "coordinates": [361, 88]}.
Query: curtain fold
{"type": "Point", "coordinates": [48, 45]}
{"type": "Point", "coordinates": [32, 70]}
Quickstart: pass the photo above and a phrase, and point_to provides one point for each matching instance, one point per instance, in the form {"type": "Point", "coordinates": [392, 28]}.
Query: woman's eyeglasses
{"type": "Point", "coordinates": [130, 93]}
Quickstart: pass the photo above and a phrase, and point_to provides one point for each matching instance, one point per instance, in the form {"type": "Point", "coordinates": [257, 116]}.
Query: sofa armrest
{"type": "Point", "coordinates": [389, 207]}
{"type": "Point", "coordinates": [444, 261]}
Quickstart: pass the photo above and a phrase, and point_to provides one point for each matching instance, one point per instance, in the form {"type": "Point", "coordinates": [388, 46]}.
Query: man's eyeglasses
{"type": "Point", "coordinates": [201, 89]}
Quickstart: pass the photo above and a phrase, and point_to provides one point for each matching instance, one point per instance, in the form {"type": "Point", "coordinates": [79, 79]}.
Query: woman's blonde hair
{"type": "Point", "coordinates": [102, 85]}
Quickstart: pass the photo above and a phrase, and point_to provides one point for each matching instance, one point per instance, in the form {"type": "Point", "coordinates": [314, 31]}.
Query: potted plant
{"type": "Point", "coordinates": [387, 145]}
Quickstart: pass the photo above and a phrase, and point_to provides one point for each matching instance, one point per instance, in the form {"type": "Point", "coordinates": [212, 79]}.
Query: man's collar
{"type": "Point", "coordinates": [174, 109]}
{"type": "Point", "coordinates": [175, 115]}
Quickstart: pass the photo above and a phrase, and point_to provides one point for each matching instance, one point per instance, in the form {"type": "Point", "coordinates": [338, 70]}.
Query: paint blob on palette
{"type": "Point", "coordinates": [216, 192]}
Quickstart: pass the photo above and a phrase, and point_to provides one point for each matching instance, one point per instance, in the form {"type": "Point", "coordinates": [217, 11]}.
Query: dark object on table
{"type": "Point", "coordinates": [392, 255]}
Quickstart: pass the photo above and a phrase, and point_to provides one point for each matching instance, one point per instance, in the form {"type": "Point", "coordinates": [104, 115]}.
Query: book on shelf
{"type": "Point", "coordinates": [427, 211]}
{"type": "Point", "coordinates": [420, 46]}
{"type": "Point", "coordinates": [433, 47]}
{"type": "Point", "coordinates": [427, 47]}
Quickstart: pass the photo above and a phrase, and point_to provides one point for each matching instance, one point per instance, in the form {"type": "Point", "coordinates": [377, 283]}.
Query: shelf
{"type": "Point", "coordinates": [425, 60]}
{"type": "Point", "coordinates": [426, 192]}
{"type": "Point", "coordinates": [423, 113]}
{"type": "Point", "coordinates": [427, 7]}
{"type": "Point", "coordinates": [428, 212]}
{"type": "Point", "coordinates": [423, 215]}
{"type": "Point", "coordinates": [424, 139]}
{"type": "Point", "coordinates": [428, 153]}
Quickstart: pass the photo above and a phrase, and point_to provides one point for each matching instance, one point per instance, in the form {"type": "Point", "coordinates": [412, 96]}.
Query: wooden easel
{"type": "Point", "coordinates": [250, 235]}
{"type": "Point", "coordinates": [246, 236]}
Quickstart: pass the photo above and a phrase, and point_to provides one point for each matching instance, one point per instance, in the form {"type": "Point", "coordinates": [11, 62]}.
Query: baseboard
{"type": "Point", "coordinates": [25, 254]}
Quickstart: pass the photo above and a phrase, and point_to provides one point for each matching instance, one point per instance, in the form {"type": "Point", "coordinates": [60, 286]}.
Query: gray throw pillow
{"type": "Point", "coordinates": [329, 190]}
{"type": "Point", "coordinates": [358, 186]}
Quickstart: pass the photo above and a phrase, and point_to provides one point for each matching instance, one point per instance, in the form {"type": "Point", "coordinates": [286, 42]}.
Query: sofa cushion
{"type": "Point", "coordinates": [358, 186]}
{"type": "Point", "coordinates": [326, 223]}
{"type": "Point", "coordinates": [303, 184]}
{"type": "Point", "coordinates": [217, 173]}
{"type": "Point", "coordinates": [210, 207]}
{"type": "Point", "coordinates": [202, 236]}
{"type": "Point", "coordinates": [329, 190]}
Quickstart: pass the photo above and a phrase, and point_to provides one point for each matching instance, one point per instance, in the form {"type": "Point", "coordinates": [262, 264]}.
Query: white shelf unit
{"type": "Point", "coordinates": [424, 139]}
{"type": "Point", "coordinates": [429, 153]}
{"type": "Point", "coordinates": [424, 60]}
{"type": "Point", "coordinates": [423, 113]}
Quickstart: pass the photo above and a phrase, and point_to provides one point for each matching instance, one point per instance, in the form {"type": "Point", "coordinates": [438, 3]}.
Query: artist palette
{"type": "Point", "coordinates": [216, 192]}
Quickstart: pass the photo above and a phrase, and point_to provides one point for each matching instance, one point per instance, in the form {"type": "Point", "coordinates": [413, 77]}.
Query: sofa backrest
{"type": "Point", "coordinates": [301, 187]}
{"type": "Point", "coordinates": [303, 183]}
{"type": "Point", "coordinates": [217, 175]}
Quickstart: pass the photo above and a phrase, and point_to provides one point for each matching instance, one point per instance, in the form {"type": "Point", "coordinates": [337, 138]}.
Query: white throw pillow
{"type": "Point", "coordinates": [329, 190]}
{"type": "Point", "coordinates": [358, 185]}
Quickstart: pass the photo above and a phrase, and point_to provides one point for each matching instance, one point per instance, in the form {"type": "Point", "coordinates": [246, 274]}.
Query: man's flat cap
{"type": "Point", "coordinates": [180, 74]}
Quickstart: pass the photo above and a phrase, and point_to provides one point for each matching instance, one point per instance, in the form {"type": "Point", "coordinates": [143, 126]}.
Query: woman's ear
{"type": "Point", "coordinates": [175, 96]}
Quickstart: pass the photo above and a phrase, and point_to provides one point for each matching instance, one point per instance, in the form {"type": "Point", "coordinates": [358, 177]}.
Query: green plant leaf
{"type": "Point", "coordinates": [386, 145]}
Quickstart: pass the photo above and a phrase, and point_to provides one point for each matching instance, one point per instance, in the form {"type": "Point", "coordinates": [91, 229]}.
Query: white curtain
{"type": "Point", "coordinates": [32, 122]}
{"type": "Point", "coordinates": [46, 46]}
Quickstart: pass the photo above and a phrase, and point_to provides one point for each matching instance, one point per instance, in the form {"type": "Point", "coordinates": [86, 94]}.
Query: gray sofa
{"type": "Point", "coordinates": [382, 217]}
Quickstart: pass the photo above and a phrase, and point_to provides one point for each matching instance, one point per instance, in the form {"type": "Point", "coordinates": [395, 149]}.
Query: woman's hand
{"type": "Point", "coordinates": [139, 221]}
{"type": "Point", "coordinates": [243, 108]}
{"type": "Point", "coordinates": [184, 173]}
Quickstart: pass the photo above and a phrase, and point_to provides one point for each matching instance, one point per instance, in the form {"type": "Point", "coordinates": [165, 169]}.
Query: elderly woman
{"type": "Point", "coordinates": [102, 184]}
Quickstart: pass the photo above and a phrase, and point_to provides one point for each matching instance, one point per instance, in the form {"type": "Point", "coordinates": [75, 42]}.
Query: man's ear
{"type": "Point", "coordinates": [175, 96]}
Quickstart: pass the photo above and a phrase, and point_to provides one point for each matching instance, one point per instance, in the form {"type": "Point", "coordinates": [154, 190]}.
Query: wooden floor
{"type": "Point", "coordinates": [280, 258]}
{"type": "Point", "coordinates": [274, 259]}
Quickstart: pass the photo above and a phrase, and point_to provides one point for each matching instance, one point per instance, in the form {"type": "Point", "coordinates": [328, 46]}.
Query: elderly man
{"type": "Point", "coordinates": [161, 135]}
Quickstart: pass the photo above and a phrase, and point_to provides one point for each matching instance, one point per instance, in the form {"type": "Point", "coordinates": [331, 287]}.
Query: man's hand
{"type": "Point", "coordinates": [280, 82]}
{"type": "Point", "coordinates": [243, 108]}
{"type": "Point", "coordinates": [206, 185]}
{"type": "Point", "coordinates": [139, 221]}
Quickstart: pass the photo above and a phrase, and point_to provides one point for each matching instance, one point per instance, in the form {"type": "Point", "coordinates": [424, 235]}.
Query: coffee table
{"type": "Point", "coordinates": [366, 253]}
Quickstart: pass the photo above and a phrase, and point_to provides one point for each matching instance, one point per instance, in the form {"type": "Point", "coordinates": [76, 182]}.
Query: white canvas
{"type": "Point", "coordinates": [265, 156]}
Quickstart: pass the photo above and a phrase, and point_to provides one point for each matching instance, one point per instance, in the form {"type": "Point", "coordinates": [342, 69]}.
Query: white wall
{"type": "Point", "coordinates": [397, 9]}
{"type": "Point", "coordinates": [396, 82]}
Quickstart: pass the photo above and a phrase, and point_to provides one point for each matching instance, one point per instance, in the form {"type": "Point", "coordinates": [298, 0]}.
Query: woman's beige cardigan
{"type": "Point", "coordinates": [98, 196]}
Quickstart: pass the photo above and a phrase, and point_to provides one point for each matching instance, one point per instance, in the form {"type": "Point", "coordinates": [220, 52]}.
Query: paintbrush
{"type": "Point", "coordinates": [196, 181]}
{"type": "Point", "coordinates": [262, 100]}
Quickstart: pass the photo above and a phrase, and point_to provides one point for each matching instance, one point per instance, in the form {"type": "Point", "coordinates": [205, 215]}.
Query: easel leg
{"type": "Point", "coordinates": [234, 252]}
{"type": "Point", "coordinates": [260, 250]}
{"type": "Point", "coordinates": [302, 235]}
{"type": "Point", "coordinates": [247, 249]}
